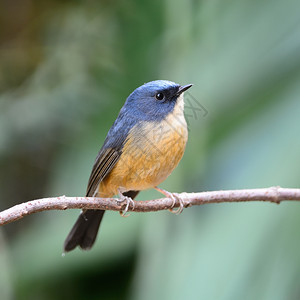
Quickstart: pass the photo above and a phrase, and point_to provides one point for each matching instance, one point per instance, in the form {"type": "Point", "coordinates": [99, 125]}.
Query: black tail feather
{"type": "Point", "coordinates": [84, 231]}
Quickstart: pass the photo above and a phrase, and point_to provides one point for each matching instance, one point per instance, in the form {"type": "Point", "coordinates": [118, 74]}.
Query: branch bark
{"type": "Point", "coordinates": [272, 194]}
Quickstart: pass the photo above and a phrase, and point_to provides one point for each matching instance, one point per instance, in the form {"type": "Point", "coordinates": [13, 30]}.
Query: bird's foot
{"type": "Point", "coordinates": [128, 201]}
{"type": "Point", "coordinates": [173, 197]}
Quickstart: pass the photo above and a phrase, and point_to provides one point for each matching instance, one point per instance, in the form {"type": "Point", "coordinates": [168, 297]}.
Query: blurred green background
{"type": "Point", "coordinates": [66, 68]}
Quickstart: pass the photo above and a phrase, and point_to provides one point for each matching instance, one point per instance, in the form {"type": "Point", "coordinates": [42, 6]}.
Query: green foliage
{"type": "Point", "coordinates": [65, 71]}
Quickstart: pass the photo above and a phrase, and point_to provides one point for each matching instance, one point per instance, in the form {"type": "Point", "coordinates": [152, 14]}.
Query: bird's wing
{"type": "Point", "coordinates": [105, 161]}
{"type": "Point", "coordinates": [111, 150]}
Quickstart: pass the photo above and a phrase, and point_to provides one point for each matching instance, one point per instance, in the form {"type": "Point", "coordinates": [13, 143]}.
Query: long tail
{"type": "Point", "coordinates": [84, 231]}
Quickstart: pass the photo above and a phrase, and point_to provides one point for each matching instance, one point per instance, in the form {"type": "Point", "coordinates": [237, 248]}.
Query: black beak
{"type": "Point", "coordinates": [183, 89]}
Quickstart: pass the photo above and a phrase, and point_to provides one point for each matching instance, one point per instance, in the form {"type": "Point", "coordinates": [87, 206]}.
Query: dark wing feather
{"type": "Point", "coordinates": [105, 161]}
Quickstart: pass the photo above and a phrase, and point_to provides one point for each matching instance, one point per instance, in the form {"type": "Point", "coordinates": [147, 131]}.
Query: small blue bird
{"type": "Point", "coordinates": [141, 149]}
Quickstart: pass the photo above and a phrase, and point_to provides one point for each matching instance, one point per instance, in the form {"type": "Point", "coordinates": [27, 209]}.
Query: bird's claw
{"type": "Point", "coordinates": [179, 210]}
{"type": "Point", "coordinates": [128, 200]}
{"type": "Point", "coordinates": [173, 197]}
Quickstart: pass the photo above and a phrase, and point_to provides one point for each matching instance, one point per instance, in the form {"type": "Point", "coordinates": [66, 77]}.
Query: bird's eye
{"type": "Point", "coordinates": [159, 96]}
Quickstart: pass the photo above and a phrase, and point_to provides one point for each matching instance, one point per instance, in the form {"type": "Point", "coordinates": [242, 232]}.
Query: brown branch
{"type": "Point", "coordinates": [272, 194]}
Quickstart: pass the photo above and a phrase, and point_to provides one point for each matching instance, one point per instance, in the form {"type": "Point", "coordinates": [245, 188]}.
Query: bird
{"type": "Point", "coordinates": [141, 149]}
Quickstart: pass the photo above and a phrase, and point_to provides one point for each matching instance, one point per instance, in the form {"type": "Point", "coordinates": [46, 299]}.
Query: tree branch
{"type": "Point", "coordinates": [272, 194]}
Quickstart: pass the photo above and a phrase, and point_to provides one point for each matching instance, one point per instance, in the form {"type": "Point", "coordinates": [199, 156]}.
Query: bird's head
{"type": "Point", "coordinates": [154, 100]}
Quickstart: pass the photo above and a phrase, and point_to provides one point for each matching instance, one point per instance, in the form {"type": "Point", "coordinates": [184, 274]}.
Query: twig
{"type": "Point", "coordinates": [272, 194]}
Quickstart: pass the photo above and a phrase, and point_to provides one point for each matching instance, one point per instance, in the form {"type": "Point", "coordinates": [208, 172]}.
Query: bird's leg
{"type": "Point", "coordinates": [126, 199]}
{"type": "Point", "coordinates": [172, 196]}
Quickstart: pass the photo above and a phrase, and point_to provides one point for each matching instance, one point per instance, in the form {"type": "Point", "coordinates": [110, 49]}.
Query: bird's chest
{"type": "Point", "coordinates": [164, 143]}
{"type": "Point", "coordinates": [151, 154]}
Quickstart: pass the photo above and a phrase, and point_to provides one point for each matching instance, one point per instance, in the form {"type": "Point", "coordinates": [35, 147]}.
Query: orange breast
{"type": "Point", "coordinates": [151, 153]}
